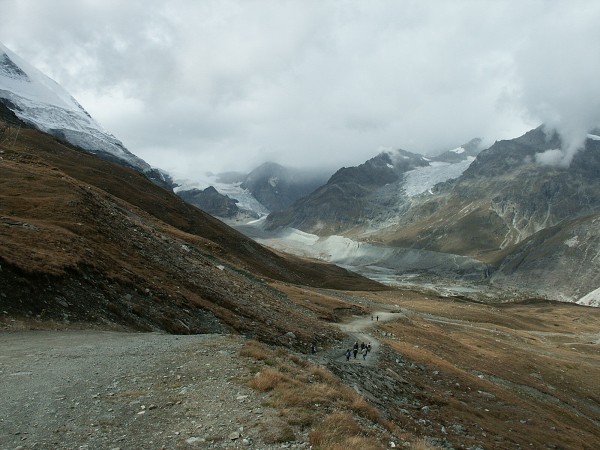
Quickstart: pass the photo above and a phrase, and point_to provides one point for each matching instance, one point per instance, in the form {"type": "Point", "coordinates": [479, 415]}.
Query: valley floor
{"type": "Point", "coordinates": [451, 373]}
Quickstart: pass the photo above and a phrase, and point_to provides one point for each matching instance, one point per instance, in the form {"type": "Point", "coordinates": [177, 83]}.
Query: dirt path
{"type": "Point", "coordinates": [99, 389]}
{"type": "Point", "coordinates": [358, 331]}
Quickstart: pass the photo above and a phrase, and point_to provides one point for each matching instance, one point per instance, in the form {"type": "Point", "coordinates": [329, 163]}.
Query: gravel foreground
{"type": "Point", "coordinates": [112, 390]}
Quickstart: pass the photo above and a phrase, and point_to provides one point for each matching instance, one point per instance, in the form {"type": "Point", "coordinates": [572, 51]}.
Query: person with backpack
{"type": "Point", "coordinates": [355, 349]}
{"type": "Point", "coordinates": [347, 354]}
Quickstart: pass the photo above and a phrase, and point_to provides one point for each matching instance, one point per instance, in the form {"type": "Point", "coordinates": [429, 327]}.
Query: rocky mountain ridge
{"type": "Point", "coordinates": [357, 199]}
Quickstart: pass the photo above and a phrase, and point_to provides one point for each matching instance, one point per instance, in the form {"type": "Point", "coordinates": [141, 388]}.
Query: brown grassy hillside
{"type": "Point", "coordinates": [82, 239]}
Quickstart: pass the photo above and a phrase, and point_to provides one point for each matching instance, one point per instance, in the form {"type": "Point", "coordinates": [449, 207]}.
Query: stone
{"type": "Point", "coordinates": [234, 435]}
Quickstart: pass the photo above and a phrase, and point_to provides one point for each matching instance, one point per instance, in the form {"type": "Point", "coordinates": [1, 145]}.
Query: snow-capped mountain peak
{"type": "Point", "coordinates": [41, 102]}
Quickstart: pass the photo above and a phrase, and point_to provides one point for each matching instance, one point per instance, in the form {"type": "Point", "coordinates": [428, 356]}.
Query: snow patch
{"type": "Point", "coordinates": [590, 299]}
{"type": "Point", "coordinates": [458, 150]}
{"type": "Point", "coordinates": [593, 137]}
{"type": "Point", "coordinates": [573, 242]}
{"type": "Point", "coordinates": [390, 166]}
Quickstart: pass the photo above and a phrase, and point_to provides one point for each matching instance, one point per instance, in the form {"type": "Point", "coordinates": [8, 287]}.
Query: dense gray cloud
{"type": "Point", "coordinates": [214, 85]}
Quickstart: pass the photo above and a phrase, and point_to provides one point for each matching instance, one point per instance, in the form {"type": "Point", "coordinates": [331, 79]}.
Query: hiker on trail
{"type": "Point", "coordinates": [368, 347]}
{"type": "Point", "coordinates": [313, 348]}
{"type": "Point", "coordinates": [364, 353]}
{"type": "Point", "coordinates": [347, 354]}
{"type": "Point", "coordinates": [355, 349]}
{"type": "Point", "coordinates": [377, 318]}
{"type": "Point", "coordinates": [371, 316]}
{"type": "Point", "coordinates": [362, 346]}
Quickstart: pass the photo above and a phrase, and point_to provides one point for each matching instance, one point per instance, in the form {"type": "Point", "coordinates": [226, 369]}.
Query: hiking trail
{"type": "Point", "coordinates": [358, 331]}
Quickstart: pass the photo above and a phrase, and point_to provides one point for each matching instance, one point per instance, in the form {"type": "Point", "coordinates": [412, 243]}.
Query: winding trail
{"type": "Point", "coordinates": [358, 331]}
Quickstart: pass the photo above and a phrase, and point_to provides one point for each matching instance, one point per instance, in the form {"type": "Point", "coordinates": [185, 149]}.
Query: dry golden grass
{"type": "Point", "coordinates": [305, 394]}
{"type": "Point", "coordinates": [268, 379]}
{"type": "Point", "coordinates": [253, 349]}
{"type": "Point", "coordinates": [340, 431]}
{"type": "Point", "coordinates": [322, 374]}
{"type": "Point", "coordinates": [525, 373]}
{"type": "Point", "coordinates": [422, 444]}
{"type": "Point", "coordinates": [363, 407]}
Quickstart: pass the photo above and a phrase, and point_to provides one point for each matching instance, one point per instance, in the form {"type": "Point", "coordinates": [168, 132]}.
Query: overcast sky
{"type": "Point", "coordinates": [197, 85]}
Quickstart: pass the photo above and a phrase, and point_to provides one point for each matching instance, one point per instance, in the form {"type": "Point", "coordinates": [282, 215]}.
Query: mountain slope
{"type": "Point", "coordinates": [501, 199]}
{"type": "Point", "coordinates": [560, 259]}
{"type": "Point", "coordinates": [211, 201]}
{"type": "Point", "coordinates": [83, 239]}
{"type": "Point", "coordinates": [358, 199]}
{"type": "Point", "coordinates": [501, 210]}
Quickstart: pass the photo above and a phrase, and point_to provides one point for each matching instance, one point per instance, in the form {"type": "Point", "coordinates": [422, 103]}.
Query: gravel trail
{"type": "Point", "coordinates": [105, 390]}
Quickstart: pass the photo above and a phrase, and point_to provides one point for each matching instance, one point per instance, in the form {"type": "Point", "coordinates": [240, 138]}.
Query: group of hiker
{"type": "Point", "coordinates": [364, 350]}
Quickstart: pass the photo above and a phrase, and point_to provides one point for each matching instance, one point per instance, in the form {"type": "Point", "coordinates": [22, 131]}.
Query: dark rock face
{"type": "Point", "coordinates": [210, 201]}
{"type": "Point", "coordinates": [277, 187]}
{"type": "Point", "coordinates": [506, 156]}
{"type": "Point", "coordinates": [8, 116]}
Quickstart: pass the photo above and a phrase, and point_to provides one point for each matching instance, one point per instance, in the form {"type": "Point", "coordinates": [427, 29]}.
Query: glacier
{"type": "Point", "coordinates": [425, 178]}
